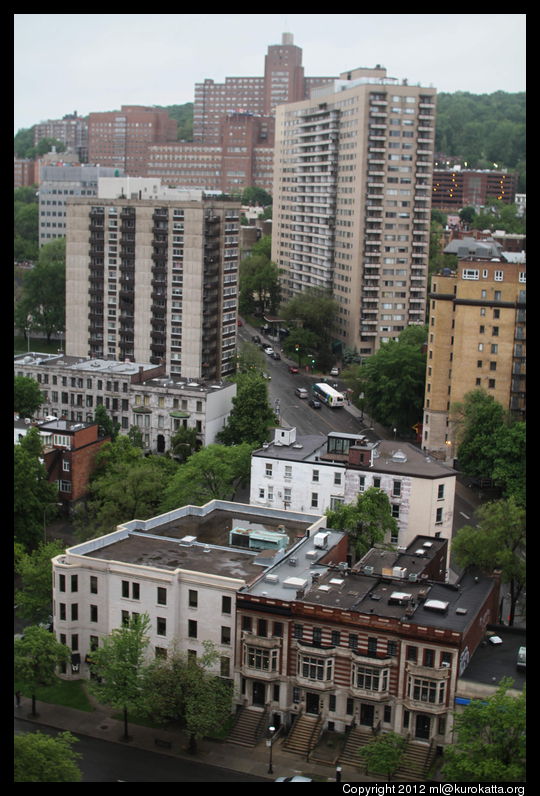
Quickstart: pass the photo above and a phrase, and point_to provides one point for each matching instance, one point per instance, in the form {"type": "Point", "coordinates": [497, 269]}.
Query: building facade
{"type": "Point", "coordinates": [317, 473]}
{"type": "Point", "coordinates": [120, 139]}
{"type": "Point", "coordinates": [134, 395]}
{"type": "Point", "coordinates": [352, 200]}
{"type": "Point", "coordinates": [456, 188]}
{"type": "Point", "coordinates": [283, 81]}
{"type": "Point", "coordinates": [477, 340]}
{"type": "Point", "coordinates": [71, 130]}
{"type": "Point", "coordinates": [57, 184]}
{"type": "Point", "coordinates": [154, 280]}
{"type": "Point", "coordinates": [178, 568]}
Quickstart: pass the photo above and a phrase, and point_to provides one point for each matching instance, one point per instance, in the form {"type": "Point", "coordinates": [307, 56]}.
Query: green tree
{"type": "Point", "coordinates": [497, 541]}
{"type": "Point", "coordinates": [123, 490]}
{"type": "Point", "coordinates": [392, 380]}
{"type": "Point", "coordinates": [383, 754]}
{"type": "Point", "coordinates": [490, 740]}
{"type": "Point", "coordinates": [119, 666]}
{"type": "Point", "coordinates": [27, 396]}
{"type": "Point", "coordinates": [43, 291]}
{"type": "Point", "coordinates": [477, 420]}
{"type": "Point", "coordinates": [182, 688]}
{"type": "Point", "coordinates": [315, 310]}
{"type": "Point", "coordinates": [184, 442]}
{"type": "Point", "coordinates": [259, 285]}
{"type": "Point", "coordinates": [255, 196]}
{"type": "Point", "coordinates": [44, 758]}
{"type": "Point", "coordinates": [250, 358]}
{"type": "Point", "coordinates": [367, 521]}
{"type": "Point", "coordinates": [32, 492]}
{"type": "Point", "coordinates": [509, 462]}
{"type": "Point", "coordinates": [107, 426]}
{"type": "Point", "coordinates": [23, 143]}
{"type": "Point", "coordinates": [214, 472]}
{"type": "Point", "coordinates": [37, 657]}
{"type": "Point", "coordinates": [135, 436]}
{"type": "Point", "coordinates": [251, 416]}
{"type": "Point", "coordinates": [34, 598]}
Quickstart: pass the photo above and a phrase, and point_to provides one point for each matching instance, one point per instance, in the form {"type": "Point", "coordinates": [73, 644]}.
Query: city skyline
{"type": "Point", "coordinates": [95, 62]}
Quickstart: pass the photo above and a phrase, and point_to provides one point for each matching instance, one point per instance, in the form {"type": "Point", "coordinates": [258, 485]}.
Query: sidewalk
{"type": "Point", "coordinates": [247, 760]}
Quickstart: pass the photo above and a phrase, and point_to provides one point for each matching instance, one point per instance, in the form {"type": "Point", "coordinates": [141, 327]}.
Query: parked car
{"type": "Point", "coordinates": [334, 372]}
{"type": "Point", "coordinates": [301, 392]}
{"type": "Point", "coordinates": [293, 369]}
{"type": "Point", "coordinates": [255, 338]}
{"type": "Point", "coordinates": [275, 355]}
{"type": "Point", "coordinates": [267, 376]}
{"type": "Point", "coordinates": [268, 349]}
{"type": "Point", "coordinates": [314, 403]}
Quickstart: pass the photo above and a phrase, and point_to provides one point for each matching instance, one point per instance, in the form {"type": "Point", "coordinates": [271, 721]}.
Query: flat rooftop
{"type": "Point", "coordinates": [490, 663]}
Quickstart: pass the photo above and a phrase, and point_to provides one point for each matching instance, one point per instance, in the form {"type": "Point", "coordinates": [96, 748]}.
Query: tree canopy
{"type": "Point", "coordinates": [37, 656]}
{"type": "Point", "coordinates": [497, 541]}
{"type": "Point", "coordinates": [368, 521]}
{"type": "Point", "coordinates": [34, 598]}
{"type": "Point", "coordinates": [392, 380]}
{"type": "Point", "coordinates": [489, 740]}
{"type": "Point", "coordinates": [42, 301]}
{"type": "Point", "coordinates": [251, 417]}
{"type": "Point", "coordinates": [32, 493]}
{"type": "Point", "coordinates": [27, 396]}
{"type": "Point", "coordinates": [314, 310]}
{"type": "Point", "coordinates": [44, 758]}
{"type": "Point", "coordinates": [214, 472]}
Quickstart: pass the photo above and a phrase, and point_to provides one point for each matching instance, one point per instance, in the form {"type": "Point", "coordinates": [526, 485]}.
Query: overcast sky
{"type": "Point", "coordinates": [98, 62]}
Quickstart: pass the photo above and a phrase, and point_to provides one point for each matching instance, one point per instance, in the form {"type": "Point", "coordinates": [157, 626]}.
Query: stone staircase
{"type": "Point", "coordinates": [303, 735]}
{"type": "Point", "coordinates": [350, 756]}
{"type": "Point", "coordinates": [417, 759]}
{"type": "Point", "coordinates": [247, 727]}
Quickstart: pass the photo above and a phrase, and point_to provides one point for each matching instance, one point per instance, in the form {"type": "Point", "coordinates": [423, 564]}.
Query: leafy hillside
{"type": "Point", "coordinates": [482, 129]}
{"type": "Point", "coordinates": [183, 115]}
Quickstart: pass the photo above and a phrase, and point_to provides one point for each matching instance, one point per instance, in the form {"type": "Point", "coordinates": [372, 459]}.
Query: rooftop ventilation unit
{"type": "Point", "coordinates": [368, 570]}
{"type": "Point", "coordinates": [271, 578]}
{"type": "Point", "coordinates": [436, 605]}
{"type": "Point", "coordinates": [295, 583]}
{"type": "Point", "coordinates": [188, 540]}
{"type": "Point", "coordinates": [321, 539]}
{"type": "Point", "coordinates": [413, 577]}
{"type": "Point", "coordinates": [293, 562]}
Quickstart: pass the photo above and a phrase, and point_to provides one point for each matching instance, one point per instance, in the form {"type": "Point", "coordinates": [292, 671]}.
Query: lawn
{"type": "Point", "coordinates": [38, 344]}
{"type": "Point", "coordinates": [69, 693]}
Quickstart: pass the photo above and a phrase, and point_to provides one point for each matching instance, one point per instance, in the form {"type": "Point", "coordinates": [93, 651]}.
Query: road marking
{"type": "Point", "coordinates": [465, 515]}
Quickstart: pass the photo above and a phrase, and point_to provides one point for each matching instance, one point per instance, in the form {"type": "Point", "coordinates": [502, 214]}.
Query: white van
{"type": "Point", "coordinates": [301, 392]}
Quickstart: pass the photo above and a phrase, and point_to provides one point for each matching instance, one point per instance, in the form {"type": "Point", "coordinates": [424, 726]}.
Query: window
{"type": "Point", "coordinates": [93, 613]}
{"type": "Point", "coordinates": [312, 668]}
{"type": "Point", "coordinates": [74, 583]}
{"type": "Point", "coordinates": [135, 591]}
{"type": "Point", "coordinates": [62, 582]}
{"type": "Point", "coordinates": [225, 635]}
{"type": "Point", "coordinates": [247, 624]}
{"type": "Point", "coordinates": [226, 605]}
{"type": "Point", "coordinates": [74, 611]}
{"type": "Point", "coordinates": [315, 475]}
{"type": "Point", "coordinates": [439, 516]}
{"type": "Point", "coordinates": [161, 595]}
{"type": "Point", "coordinates": [224, 666]}
{"type": "Point", "coordinates": [376, 482]}
{"type": "Point", "coordinates": [369, 679]}
{"type": "Point", "coordinates": [268, 470]}
{"type": "Point", "coordinates": [337, 479]}
{"type": "Point", "coordinates": [193, 598]}
{"type": "Point", "coordinates": [317, 636]}
{"type": "Point", "coordinates": [395, 511]}
{"type": "Point", "coordinates": [429, 658]}
{"type": "Point", "coordinates": [335, 638]}
{"type": "Point", "coordinates": [161, 626]}
{"type": "Point", "coordinates": [396, 489]}
{"type": "Point", "coordinates": [412, 654]}
{"type": "Point", "coordinates": [93, 584]}
{"type": "Point", "coordinates": [421, 690]}
{"type": "Point", "coordinates": [298, 631]}
{"type": "Point", "coordinates": [391, 648]}
{"type": "Point", "coordinates": [372, 646]}
{"type": "Point", "coordinates": [278, 629]}
{"type": "Point", "coordinates": [440, 492]}
{"type": "Point", "coordinates": [125, 588]}
{"type": "Point", "coordinates": [262, 628]}
{"type": "Point", "coordinates": [314, 500]}
{"type": "Point", "coordinates": [353, 641]}
{"type": "Point", "coordinates": [192, 628]}
{"type": "Point", "coordinates": [264, 660]}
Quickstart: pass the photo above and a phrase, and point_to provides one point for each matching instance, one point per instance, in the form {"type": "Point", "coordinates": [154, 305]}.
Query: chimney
{"type": "Point", "coordinates": [360, 455]}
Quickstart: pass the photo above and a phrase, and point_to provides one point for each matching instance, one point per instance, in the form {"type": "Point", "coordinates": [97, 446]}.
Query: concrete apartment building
{"type": "Point", "coordinates": [352, 200]}
{"type": "Point", "coordinates": [120, 139]}
{"type": "Point", "coordinates": [58, 182]}
{"type": "Point", "coordinates": [153, 278]}
{"type": "Point", "coordinates": [316, 473]}
{"type": "Point", "coordinates": [133, 394]}
{"type": "Point", "coordinates": [283, 81]}
{"type": "Point", "coordinates": [477, 340]}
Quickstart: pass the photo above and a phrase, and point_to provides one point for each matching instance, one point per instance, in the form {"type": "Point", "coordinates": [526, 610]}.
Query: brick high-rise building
{"type": "Point", "coordinates": [153, 279]}
{"type": "Point", "coordinates": [120, 139]}
{"type": "Point", "coordinates": [457, 188]}
{"type": "Point", "coordinates": [283, 81]}
{"type": "Point", "coordinates": [477, 340]}
{"type": "Point", "coordinates": [352, 200]}
{"type": "Point", "coordinates": [71, 130]}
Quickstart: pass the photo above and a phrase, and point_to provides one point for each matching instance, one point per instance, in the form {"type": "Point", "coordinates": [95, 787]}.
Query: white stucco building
{"type": "Point", "coordinates": [316, 473]}
{"type": "Point", "coordinates": [179, 568]}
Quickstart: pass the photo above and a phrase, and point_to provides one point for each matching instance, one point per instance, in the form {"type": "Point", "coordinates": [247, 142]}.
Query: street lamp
{"type": "Point", "coordinates": [47, 507]}
{"type": "Point", "coordinates": [271, 731]}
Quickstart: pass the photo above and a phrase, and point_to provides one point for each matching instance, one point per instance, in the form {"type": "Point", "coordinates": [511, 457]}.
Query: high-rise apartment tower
{"type": "Point", "coordinates": [352, 200]}
{"type": "Point", "coordinates": [153, 279]}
